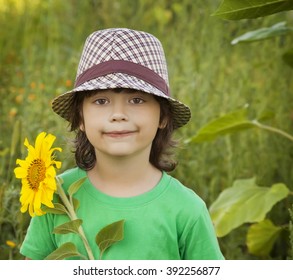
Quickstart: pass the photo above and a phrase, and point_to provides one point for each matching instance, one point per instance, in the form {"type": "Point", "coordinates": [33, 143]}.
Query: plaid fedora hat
{"type": "Point", "coordinates": [122, 58]}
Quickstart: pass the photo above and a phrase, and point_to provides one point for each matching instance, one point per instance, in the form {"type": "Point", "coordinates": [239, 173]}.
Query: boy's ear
{"type": "Point", "coordinates": [81, 127]}
{"type": "Point", "coordinates": [163, 123]}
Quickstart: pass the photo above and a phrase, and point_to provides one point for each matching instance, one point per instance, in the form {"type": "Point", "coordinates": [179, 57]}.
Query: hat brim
{"type": "Point", "coordinates": [61, 104]}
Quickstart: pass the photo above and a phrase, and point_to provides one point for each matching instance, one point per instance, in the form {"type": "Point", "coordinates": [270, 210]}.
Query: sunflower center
{"type": "Point", "coordinates": [36, 173]}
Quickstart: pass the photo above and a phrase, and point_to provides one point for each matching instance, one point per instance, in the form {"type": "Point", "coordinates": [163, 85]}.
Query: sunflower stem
{"type": "Point", "coordinates": [273, 129]}
{"type": "Point", "coordinates": [72, 215]}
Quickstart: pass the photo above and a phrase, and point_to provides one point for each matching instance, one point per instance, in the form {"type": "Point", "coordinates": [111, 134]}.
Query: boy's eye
{"type": "Point", "coordinates": [136, 100]}
{"type": "Point", "coordinates": [101, 101]}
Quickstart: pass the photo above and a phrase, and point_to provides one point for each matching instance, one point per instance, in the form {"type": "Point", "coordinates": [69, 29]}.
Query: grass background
{"type": "Point", "coordinates": [40, 47]}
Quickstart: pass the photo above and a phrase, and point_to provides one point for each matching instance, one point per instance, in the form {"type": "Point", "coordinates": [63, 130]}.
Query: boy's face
{"type": "Point", "coordinates": [120, 124]}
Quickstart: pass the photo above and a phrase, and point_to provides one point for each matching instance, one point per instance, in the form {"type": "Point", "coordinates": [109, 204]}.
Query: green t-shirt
{"type": "Point", "coordinates": [169, 222]}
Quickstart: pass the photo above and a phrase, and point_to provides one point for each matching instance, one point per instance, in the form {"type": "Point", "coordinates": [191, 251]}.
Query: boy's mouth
{"type": "Point", "coordinates": [119, 133]}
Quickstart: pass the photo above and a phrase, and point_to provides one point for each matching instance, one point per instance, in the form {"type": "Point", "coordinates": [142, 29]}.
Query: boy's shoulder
{"type": "Point", "coordinates": [184, 195]}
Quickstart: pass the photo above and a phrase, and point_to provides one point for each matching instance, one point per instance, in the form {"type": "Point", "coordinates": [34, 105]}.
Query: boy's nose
{"type": "Point", "coordinates": [117, 117]}
{"type": "Point", "coordinates": [118, 113]}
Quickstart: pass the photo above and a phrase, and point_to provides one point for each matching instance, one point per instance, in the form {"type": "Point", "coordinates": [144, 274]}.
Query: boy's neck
{"type": "Point", "coordinates": [123, 177]}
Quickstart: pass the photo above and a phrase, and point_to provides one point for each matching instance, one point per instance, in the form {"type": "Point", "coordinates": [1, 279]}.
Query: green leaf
{"type": "Point", "coordinates": [66, 250]}
{"type": "Point", "coordinates": [229, 123]}
{"type": "Point", "coordinates": [74, 187]}
{"type": "Point", "coordinates": [261, 238]}
{"type": "Point", "coordinates": [68, 227]}
{"type": "Point", "coordinates": [265, 115]}
{"type": "Point", "coordinates": [241, 9]}
{"type": "Point", "coordinates": [288, 58]}
{"type": "Point", "coordinates": [109, 235]}
{"type": "Point", "coordinates": [58, 209]}
{"type": "Point", "coordinates": [263, 33]}
{"type": "Point", "coordinates": [76, 203]}
{"type": "Point", "coordinates": [244, 202]}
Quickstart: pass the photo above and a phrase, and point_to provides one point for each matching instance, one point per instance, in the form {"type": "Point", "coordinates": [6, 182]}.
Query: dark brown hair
{"type": "Point", "coordinates": [161, 155]}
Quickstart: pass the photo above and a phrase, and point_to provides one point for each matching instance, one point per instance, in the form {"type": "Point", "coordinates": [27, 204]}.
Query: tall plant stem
{"type": "Point", "coordinates": [72, 215]}
{"type": "Point", "coordinates": [273, 129]}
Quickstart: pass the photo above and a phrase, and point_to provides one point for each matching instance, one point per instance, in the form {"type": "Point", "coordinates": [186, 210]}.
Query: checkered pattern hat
{"type": "Point", "coordinates": [122, 58]}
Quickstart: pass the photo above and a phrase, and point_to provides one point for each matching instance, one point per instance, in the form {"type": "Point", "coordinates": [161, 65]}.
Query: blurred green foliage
{"type": "Point", "coordinates": [40, 46]}
{"type": "Point", "coordinates": [237, 205]}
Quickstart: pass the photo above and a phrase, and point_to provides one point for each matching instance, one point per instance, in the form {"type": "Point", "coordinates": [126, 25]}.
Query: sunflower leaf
{"type": "Point", "coordinates": [244, 202]}
{"type": "Point", "coordinates": [68, 227]}
{"type": "Point", "coordinates": [261, 238]}
{"type": "Point", "coordinates": [263, 33]}
{"type": "Point", "coordinates": [58, 209]}
{"type": "Point", "coordinates": [74, 187]}
{"type": "Point", "coordinates": [76, 203]}
{"type": "Point", "coordinates": [66, 250]}
{"type": "Point", "coordinates": [229, 123]}
{"type": "Point", "coordinates": [244, 9]}
{"type": "Point", "coordinates": [109, 235]}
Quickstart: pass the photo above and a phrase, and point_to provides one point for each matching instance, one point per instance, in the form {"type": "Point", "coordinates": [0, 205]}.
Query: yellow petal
{"type": "Point", "coordinates": [20, 172]}
{"type": "Point", "coordinates": [46, 144]}
{"type": "Point", "coordinates": [27, 195]}
{"type": "Point", "coordinates": [26, 143]}
{"type": "Point", "coordinates": [39, 212]}
{"type": "Point", "coordinates": [48, 203]}
{"type": "Point", "coordinates": [49, 141]}
{"type": "Point", "coordinates": [51, 184]}
{"type": "Point", "coordinates": [51, 172]}
{"type": "Point", "coordinates": [30, 148]}
{"type": "Point", "coordinates": [39, 140]}
{"type": "Point", "coordinates": [57, 164]}
{"type": "Point", "coordinates": [31, 210]}
{"type": "Point", "coordinates": [37, 201]}
{"type": "Point", "coordinates": [23, 208]}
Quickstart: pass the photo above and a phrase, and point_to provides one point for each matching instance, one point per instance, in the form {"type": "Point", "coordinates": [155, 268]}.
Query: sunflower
{"type": "Point", "coordinates": [37, 174]}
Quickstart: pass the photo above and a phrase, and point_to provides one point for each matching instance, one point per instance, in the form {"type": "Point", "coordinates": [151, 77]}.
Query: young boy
{"type": "Point", "coordinates": [124, 116]}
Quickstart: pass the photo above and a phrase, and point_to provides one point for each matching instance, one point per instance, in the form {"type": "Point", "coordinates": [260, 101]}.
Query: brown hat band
{"type": "Point", "coordinates": [127, 67]}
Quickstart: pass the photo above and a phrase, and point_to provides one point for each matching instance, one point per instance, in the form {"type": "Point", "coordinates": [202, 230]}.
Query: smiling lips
{"type": "Point", "coordinates": [119, 134]}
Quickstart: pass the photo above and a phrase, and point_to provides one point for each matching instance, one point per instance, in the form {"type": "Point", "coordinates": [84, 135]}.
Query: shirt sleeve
{"type": "Point", "coordinates": [200, 242]}
{"type": "Point", "coordinates": [39, 241]}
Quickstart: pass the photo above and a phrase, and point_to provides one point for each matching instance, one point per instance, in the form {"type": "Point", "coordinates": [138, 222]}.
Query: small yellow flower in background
{"type": "Point", "coordinates": [68, 83]}
{"type": "Point", "coordinates": [31, 97]}
{"type": "Point", "coordinates": [33, 85]}
{"type": "Point", "coordinates": [21, 90]}
{"type": "Point", "coordinates": [11, 244]}
{"type": "Point", "coordinates": [41, 86]}
{"type": "Point", "coordinates": [19, 99]}
{"type": "Point", "coordinates": [12, 112]}
{"type": "Point", "coordinates": [37, 173]}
